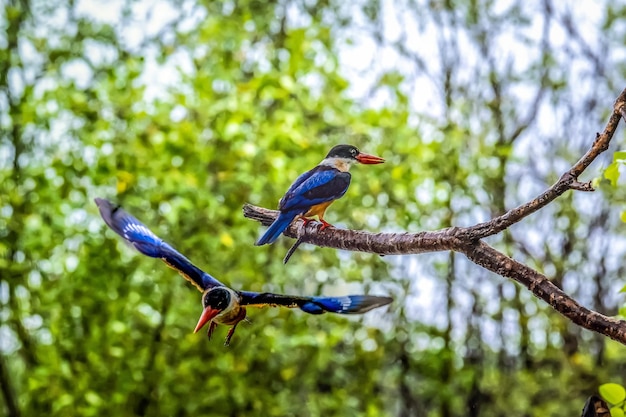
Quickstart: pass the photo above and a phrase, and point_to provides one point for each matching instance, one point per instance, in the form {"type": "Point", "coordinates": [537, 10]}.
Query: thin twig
{"type": "Point", "coordinates": [568, 181]}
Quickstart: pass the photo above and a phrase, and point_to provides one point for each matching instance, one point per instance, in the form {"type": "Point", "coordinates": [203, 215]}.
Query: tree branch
{"type": "Point", "coordinates": [568, 181]}
{"type": "Point", "coordinates": [455, 239]}
{"type": "Point", "coordinates": [357, 240]}
{"type": "Point", "coordinates": [467, 240]}
{"type": "Point", "coordinates": [495, 261]}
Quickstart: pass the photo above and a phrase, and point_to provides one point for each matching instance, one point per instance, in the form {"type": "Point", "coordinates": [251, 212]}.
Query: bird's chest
{"type": "Point", "coordinates": [232, 316]}
{"type": "Point", "coordinates": [318, 210]}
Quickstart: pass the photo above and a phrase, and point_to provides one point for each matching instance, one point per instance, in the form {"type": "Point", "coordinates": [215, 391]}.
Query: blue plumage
{"type": "Point", "coordinates": [297, 183]}
{"type": "Point", "coordinates": [280, 224]}
{"type": "Point", "coordinates": [141, 238]}
{"type": "Point", "coordinates": [350, 304]}
{"type": "Point", "coordinates": [312, 192]}
{"type": "Point", "coordinates": [321, 185]}
{"type": "Point", "coordinates": [312, 308]}
{"type": "Point", "coordinates": [221, 304]}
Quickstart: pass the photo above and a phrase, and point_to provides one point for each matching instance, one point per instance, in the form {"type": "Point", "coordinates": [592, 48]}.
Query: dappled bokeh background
{"type": "Point", "coordinates": [183, 111]}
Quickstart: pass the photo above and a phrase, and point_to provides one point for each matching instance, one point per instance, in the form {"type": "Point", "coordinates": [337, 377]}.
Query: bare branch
{"type": "Point", "coordinates": [568, 181]}
{"type": "Point", "coordinates": [454, 239]}
{"type": "Point", "coordinates": [495, 261]}
{"type": "Point", "coordinates": [357, 240]}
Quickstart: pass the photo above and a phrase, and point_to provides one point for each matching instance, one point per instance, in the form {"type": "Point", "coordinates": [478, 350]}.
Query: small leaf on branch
{"type": "Point", "coordinates": [613, 393]}
{"type": "Point", "coordinates": [612, 173]}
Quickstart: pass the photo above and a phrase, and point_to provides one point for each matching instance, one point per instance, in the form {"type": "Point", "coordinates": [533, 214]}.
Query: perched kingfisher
{"type": "Point", "coordinates": [315, 190]}
{"type": "Point", "coordinates": [221, 304]}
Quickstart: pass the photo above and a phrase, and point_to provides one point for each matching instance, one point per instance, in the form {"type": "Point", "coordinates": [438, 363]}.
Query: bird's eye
{"type": "Point", "coordinates": [353, 152]}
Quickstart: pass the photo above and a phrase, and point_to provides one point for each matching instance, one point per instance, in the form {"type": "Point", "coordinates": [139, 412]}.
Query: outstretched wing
{"type": "Point", "coordinates": [146, 242]}
{"type": "Point", "coordinates": [317, 186]}
{"type": "Point", "coordinates": [349, 304]}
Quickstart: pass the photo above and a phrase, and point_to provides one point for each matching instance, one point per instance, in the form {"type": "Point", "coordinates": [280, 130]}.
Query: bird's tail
{"type": "Point", "coordinates": [350, 304]}
{"type": "Point", "coordinates": [280, 224]}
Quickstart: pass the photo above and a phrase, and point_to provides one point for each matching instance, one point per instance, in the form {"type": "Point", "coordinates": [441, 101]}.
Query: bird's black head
{"type": "Point", "coordinates": [343, 151]}
{"type": "Point", "coordinates": [352, 155]}
{"type": "Point", "coordinates": [216, 298]}
{"type": "Point", "coordinates": [214, 301]}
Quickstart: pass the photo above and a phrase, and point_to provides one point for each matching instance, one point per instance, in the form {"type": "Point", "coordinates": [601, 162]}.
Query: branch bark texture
{"type": "Point", "coordinates": [467, 240]}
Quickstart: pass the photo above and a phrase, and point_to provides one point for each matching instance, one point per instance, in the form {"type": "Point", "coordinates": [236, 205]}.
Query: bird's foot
{"type": "Point", "coordinates": [230, 334]}
{"type": "Point", "coordinates": [305, 221]}
{"type": "Point", "coordinates": [212, 327]}
{"type": "Point", "coordinates": [324, 225]}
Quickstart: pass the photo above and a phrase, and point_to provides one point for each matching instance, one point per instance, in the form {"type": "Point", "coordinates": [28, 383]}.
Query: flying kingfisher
{"type": "Point", "coordinates": [221, 304]}
{"type": "Point", "coordinates": [315, 190]}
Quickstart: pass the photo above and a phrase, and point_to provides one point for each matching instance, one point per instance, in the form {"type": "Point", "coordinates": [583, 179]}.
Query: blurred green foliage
{"type": "Point", "coordinates": [243, 98]}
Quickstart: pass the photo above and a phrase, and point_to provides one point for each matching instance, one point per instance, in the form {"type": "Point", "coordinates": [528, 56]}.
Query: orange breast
{"type": "Point", "coordinates": [318, 210]}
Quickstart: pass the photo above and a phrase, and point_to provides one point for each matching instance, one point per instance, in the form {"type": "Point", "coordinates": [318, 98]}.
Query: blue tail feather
{"type": "Point", "coordinates": [280, 224]}
{"type": "Point", "coordinates": [312, 308]}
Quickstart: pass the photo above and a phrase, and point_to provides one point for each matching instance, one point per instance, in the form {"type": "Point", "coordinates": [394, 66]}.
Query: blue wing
{"type": "Point", "coordinates": [317, 186]}
{"type": "Point", "coordinates": [349, 304]}
{"type": "Point", "coordinates": [298, 182]}
{"type": "Point", "coordinates": [146, 242]}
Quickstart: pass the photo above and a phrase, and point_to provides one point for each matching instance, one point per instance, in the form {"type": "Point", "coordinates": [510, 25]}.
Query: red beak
{"type": "Point", "coordinates": [207, 315]}
{"type": "Point", "coordinates": [369, 159]}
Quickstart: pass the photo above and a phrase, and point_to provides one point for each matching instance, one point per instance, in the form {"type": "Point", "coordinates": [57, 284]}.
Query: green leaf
{"type": "Point", "coordinates": [622, 216]}
{"type": "Point", "coordinates": [612, 173]}
{"type": "Point", "coordinates": [612, 393]}
{"type": "Point", "coordinates": [619, 156]}
{"type": "Point", "coordinates": [617, 412]}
